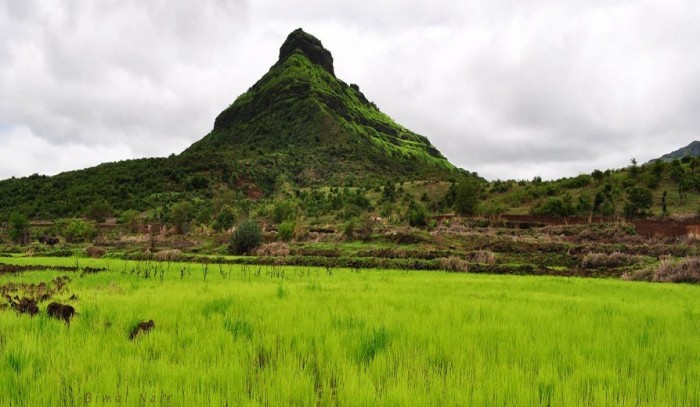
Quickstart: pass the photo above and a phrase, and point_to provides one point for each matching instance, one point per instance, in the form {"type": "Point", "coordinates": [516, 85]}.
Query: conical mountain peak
{"type": "Point", "coordinates": [301, 121]}
{"type": "Point", "coordinates": [310, 46]}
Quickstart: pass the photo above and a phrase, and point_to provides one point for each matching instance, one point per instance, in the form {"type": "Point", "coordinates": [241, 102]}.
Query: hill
{"type": "Point", "coordinates": [692, 150]}
{"type": "Point", "coordinates": [299, 125]}
{"type": "Point", "coordinates": [313, 128]}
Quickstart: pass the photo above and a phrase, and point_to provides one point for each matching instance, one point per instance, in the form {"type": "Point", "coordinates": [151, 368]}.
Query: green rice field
{"type": "Point", "coordinates": [279, 336]}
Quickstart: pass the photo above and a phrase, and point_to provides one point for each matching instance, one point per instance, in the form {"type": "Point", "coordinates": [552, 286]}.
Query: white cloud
{"type": "Point", "coordinates": [510, 89]}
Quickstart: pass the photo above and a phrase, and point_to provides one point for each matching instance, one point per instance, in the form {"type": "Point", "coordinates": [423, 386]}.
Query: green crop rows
{"type": "Point", "coordinates": [237, 335]}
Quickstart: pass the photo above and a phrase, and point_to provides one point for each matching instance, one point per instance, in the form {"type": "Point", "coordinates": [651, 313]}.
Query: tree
{"type": "Point", "coordinates": [467, 197]}
{"type": "Point", "coordinates": [389, 192]}
{"type": "Point", "coordinates": [634, 170]}
{"type": "Point", "coordinates": [181, 214]}
{"type": "Point", "coordinates": [19, 228]}
{"type": "Point", "coordinates": [677, 171]}
{"type": "Point", "coordinates": [598, 175]}
{"type": "Point", "coordinates": [247, 237]}
{"type": "Point", "coordinates": [417, 216]}
{"type": "Point", "coordinates": [76, 231]}
{"type": "Point", "coordinates": [664, 208]}
{"type": "Point", "coordinates": [284, 210]}
{"type": "Point", "coordinates": [225, 219]}
{"type": "Point", "coordinates": [639, 201]}
{"type": "Point", "coordinates": [99, 211]}
{"type": "Point", "coordinates": [131, 219]}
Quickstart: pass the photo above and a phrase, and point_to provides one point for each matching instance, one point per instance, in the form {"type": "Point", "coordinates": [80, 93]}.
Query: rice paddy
{"type": "Point", "coordinates": [236, 335]}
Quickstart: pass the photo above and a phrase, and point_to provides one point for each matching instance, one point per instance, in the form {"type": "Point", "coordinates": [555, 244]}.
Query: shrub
{"type": "Point", "coordinates": [246, 237]}
{"type": "Point", "coordinates": [131, 219]}
{"type": "Point", "coordinates": [453, 263]}
{"type": "Point", "coordinates": [284, 210]}
{"type": "Point", "coordinates": [273, 249]}
{"type": "Point", "coordinates": [639, 201]}
{"type": "Point", "coordinates": [685, 271]}
{"type": "Point", "coordinates": [484, 257]}
{"type": "Point", "coordinates": [99, 211]}
{"type": "Point", "coordinates": [95, 252]}
{"type": "Point", "coordinates": [225, 219]}
{"type": "Point", "coordinates": [349, 229]}
{"type": "Point", "coordinates": [168, 255]}
{"type": "Point", "coordinates": [365, 227]}
{"type": "Point", "coordinates": [19, 228]}
{"type": "Point", "coordinates": [181, 214]}
{"type": "Point", "coordinates": [76, 231]}
{"type": "Point", "coordinates": [613, 260]}
{"type": "Point", "coordinates": [639, 275]}
{"type": "Point", "coordinates": [416, 215]}
{"type": "Point", "coordinates": [467, 197]}
{"type": "Point", "coordinates": [286, 230]}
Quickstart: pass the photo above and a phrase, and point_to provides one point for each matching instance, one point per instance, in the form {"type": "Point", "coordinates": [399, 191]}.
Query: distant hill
{"type": "Point", "coordinates": [692, 149]}
{"type": "Point", "coordinates": [298, 125]}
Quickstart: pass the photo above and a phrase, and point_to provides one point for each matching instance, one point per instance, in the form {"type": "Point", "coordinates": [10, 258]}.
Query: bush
{"type": "Point", "coordinates": [349, 229]}
{"type": "Point", "coordinates": [76, 231]}
{"type": "Point", "coordinates": [99, 211]}
{"type": "Point", "coordinates": [467, 197]}
{"type": "Point", "coordinates": [685, 271]}
{"type": "Point", "coordinates": [639, 201]}
{"type": "Point", "coordinates": [285, 230]}
{"type": "Point", "coordinates": [285, 210]}
{"type": "Point", "coordinates": [613, 260]}
{"type": "Point", "coordinates": [365, 227]}
{"type": "Point", "coordinates": [19, 228]}
{"type": "Point", "coordinates": [181, 214]}
{"type": "Point", "coordinates": [225, 219]}
{"type": "Point", "coordinates": [273, 249]}
{"type": "Point", "coordinates": [246, 237]}
{"type": "Point", "coordinates": [95, 252]}
{"type": "Point", "coordinates": [484, 257]}
{"type": "Point", "coordinates": [453, 263]}
{"type": "Point", "coordinates": [417, 216]}
{"type": "Point", "coordinates": [131, 219]}
{"type": "Point", "coordinates": [168, 255]}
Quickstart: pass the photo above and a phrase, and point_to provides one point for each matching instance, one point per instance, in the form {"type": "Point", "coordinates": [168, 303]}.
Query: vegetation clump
{"type": "Point", "coordinates": [684, 271]}
{"type": "Point", "coordinates": [612, 260]}
{"type": "Point", "coordinates": [246, 237]}
{"type": "Point", "coordinates": [454, 264]}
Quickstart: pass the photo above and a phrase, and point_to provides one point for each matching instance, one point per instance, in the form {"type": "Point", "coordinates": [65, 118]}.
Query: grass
{"type": "Point", "coordinates": [304, 336]}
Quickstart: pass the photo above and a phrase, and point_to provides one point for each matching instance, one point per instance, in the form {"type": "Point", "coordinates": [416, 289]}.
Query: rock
{"type": "Point", "coordinates": [309, 46]}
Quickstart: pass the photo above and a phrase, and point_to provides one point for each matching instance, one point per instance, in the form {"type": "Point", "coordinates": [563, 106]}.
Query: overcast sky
{"type": "Point", "coordinates": [507, 88]}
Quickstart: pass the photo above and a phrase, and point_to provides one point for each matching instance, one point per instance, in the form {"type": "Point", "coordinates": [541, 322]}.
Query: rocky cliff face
{"type": "Point", "coordinates": [310, 46]}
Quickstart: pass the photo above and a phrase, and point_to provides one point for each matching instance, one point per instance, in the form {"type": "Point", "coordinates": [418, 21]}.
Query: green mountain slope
{"type": "Point", "coordinates": [692, 150]}
{"type": "Point", "coordinates": [315, 128]}
{"type": "Point", "coordinates": [297, 125]}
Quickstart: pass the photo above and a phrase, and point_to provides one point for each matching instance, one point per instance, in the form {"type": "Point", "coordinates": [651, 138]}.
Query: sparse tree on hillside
{"type": "Point", "coordinates": [639, 201]}
{"type": "Point", "coordinates": [467, 197]}
{"type": "Point", "coordinates": [247, 237]}
{"type": "Point", "coordinates": [225, 219]}
{"type": "Point", "coordinates": [99, 211]}
{"type": "Point", "coordinates": [181, 214]}
{"type": "Point", "coordinates": [19, 228]}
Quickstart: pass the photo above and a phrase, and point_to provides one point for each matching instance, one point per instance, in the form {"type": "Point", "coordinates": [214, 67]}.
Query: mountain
{"type": "Point", "coordinates": [298, 125]}
{"type": "Point", "coordinates": [314, 128]}
{"type": "Point", "coordinates": [692, 149]}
